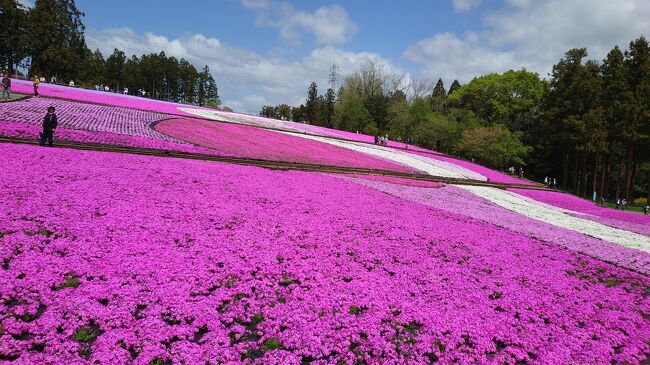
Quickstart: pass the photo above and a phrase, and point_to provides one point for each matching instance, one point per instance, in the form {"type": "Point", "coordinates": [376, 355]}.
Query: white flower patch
{"type": "Point", "coordinates": [428, 165]}
{"type": "Point", "coordinates": [560, 217]}
{"type": "Point", "coordinates": [238, 118]}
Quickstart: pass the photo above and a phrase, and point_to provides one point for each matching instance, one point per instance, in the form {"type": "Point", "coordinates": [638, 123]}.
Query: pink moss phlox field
{"type": "Point", "coordinates": [572, 202]}
{"type": "Point", "coordinates": [396, 180]}
{"type": "Point", "coordinates": [457, 200]}
{"type": "Point", "coordinates": [30, 131]}
{"type": "Point", "coordinates": [246, 141]}
{"type": "Point", "coordinates": [134, 102]}
{"type": "Point", "coordinates": [99, 97]}
{"type": "Point", "coordinates": [84, 116]}
{"type": "Point", "coordinates": [494, 176]}
{"type": "Point", "coordinates": [114, 258]}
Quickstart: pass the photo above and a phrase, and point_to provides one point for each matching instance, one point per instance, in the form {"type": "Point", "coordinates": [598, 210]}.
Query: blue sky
{"type": "Point", "coordinates": [268, 51]}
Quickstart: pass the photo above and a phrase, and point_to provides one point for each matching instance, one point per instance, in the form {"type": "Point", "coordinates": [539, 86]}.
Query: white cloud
{"type": "Point", "coordinates": [465, 5]}
{"type": "Point", "coordinates": [246, 80]}
{"type": "Point", "coordinates": [450, 57]}
{"type": "Point", "coordinates": [532, 34]}
{"type": "Point", "coordinates": [330, 25]}
{"type": "Point", "coordinates": [256, 4]}
{"type": "Point", "coordinates": [26, 3]}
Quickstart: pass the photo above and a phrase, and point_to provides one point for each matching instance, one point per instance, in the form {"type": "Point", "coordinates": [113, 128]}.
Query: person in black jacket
{"type": "Point", "coordinates": [49, 125]}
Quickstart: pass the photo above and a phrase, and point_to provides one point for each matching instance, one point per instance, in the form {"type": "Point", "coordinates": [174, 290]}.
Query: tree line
{"type": "Point", "coordinates": [48, 41]}
{"type": "Point", "coordinates": [587, 125]}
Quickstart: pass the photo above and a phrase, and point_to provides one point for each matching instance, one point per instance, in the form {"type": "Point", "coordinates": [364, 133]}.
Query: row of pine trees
{"type": "Point", "coordinates": [48, 41]}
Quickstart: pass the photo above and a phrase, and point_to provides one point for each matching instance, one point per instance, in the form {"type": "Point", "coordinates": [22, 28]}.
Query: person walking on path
{"type": "Point", "coordinates": [50, 123]}
{"type": "Point", "coordinates": [6, 87]}
{"type": "Point", "coordinates": [37, 82]}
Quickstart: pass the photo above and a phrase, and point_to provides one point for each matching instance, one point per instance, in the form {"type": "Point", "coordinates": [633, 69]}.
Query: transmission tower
{"type": "Point", "coordinates": [334, 76]}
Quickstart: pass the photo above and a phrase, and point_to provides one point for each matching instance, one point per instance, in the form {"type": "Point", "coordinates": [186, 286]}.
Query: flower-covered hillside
{"type": "Point", "coordinates": [113, 258]}
{"type": "Point", "coordinates": [414, 159]}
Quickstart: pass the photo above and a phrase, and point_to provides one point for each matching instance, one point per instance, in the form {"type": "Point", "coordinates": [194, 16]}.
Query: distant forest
{"type": "Point", "coordinates": [48, 41]}
{"type": "Point", "coordinates": [588, 125]}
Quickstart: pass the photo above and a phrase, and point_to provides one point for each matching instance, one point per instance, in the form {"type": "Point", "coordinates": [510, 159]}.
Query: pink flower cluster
{"type": "Point", "coordinates": [112, 258]}
{"type": "Point", "coordinates": [250, 142]}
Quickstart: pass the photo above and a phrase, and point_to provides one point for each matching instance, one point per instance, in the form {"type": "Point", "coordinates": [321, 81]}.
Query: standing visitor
{"type": "Point", "coordinates": [623, 203]}
{"type": "Point", "coordinates": [645, 209]}
{"type": "Point", "coordinates": [37, 82]}
{"type": "Point", "coordinates": [50, 123]}
{"type": "Point", "coordinates": [6, 87]}
{"type": "Point", "coordinates": [602, 201]}
{"type": "Point", "coordinates": [618, 203]}
{"type": "Point", "coordinates": [376, 138]}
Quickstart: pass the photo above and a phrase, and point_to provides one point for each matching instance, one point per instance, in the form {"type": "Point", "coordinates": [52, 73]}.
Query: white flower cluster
{"type": "Point", "coordinates": [560, 217]}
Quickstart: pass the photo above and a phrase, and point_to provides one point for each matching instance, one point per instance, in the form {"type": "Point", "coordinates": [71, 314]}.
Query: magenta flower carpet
{"type": "Point", "coordinates": [113, 258]}
{"type": "Point", "coordinates": [124, 259]}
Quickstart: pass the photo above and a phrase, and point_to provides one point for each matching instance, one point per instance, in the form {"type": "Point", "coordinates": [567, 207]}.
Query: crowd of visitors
{"type": "Point", "coordinates": [551, 182]}
{"type": "Point", "coordinates": [381, 140]}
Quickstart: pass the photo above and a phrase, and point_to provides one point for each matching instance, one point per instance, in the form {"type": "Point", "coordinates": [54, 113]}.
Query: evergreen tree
{"type": "Point", "coordinates": [438, 99]}
{"type": "Point", "coordinates": [283, 112]}
{"type": "Point", "coordinates": [636, 129]}
{"type": "Point", "coordinates": [616, 99]}
{"type": "Point", "coordinates": [114, 69]}
{"type": "Point", "coordinates": [13, 41]}
{"type": "Point", "coordinates": [56, 40]}
{"type": "Point", "coordinates": [329, 108]}
{"type": "Point", "coordinates": [311, 105]}
{"type": "Point", "coordinates": [95, 66]}
{"type": "Point", "coordinates": [454, 86]}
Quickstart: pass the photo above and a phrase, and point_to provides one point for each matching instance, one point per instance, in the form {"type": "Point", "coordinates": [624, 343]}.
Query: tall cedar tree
{"type": "Point", "coordinates": [330, 99]}
{"type": "Point", "coordinates": [311, 104]}
{"type": "Point", "coordinates": [438, 99]}
{"type": "Point", "coordinates": [13, 40]}
{"type": "Point", "coordinates": [56, 40]}
{"type": "Point", "coordinates": [635, 131]}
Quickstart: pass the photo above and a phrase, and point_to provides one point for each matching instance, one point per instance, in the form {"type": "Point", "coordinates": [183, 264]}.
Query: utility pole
{"type": "Point", "coordinates": [334, 77]}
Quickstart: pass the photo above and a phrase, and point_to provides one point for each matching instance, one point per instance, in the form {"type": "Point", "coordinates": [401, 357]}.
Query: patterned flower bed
{"type": "Point", "coordinates": [553, 226]}
{"type": "Point", "coordinates": [29, 131]}
{"type": "Point", "coordinates": [89, 117]}
{"type": "Point", "coordinates": [112, 258]}
{"type": "Point", "coordinates": [98, 97]}
{"type": "Point", "coordinates": [250, 142]}
{"type": "Point", "coordinates": [572, 202]}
